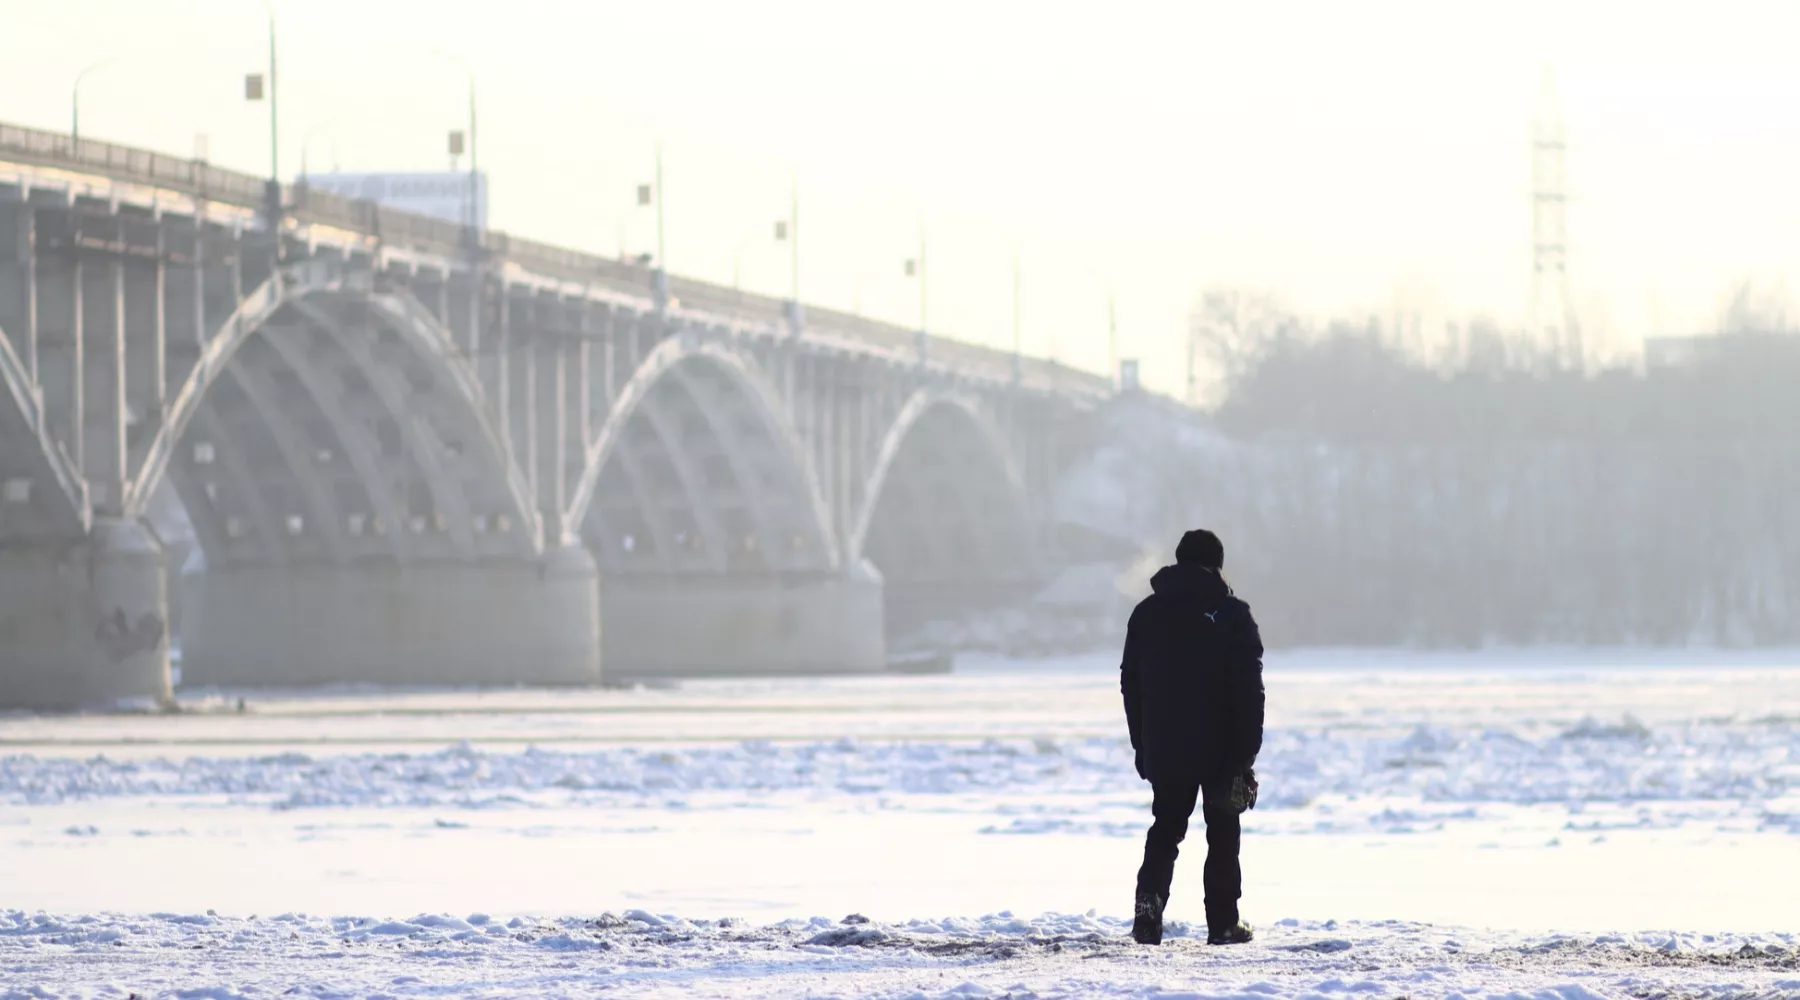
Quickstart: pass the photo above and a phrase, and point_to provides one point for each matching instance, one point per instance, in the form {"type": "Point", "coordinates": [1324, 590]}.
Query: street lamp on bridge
{"type": "Point", "coordinates": [915, 268]}
{"type": "Point", "coordinates": [306, 146]}
{"type": "Point", "coordinates": [474, 220]}
{"type": "Point", "coordinates": [794, 243]}
{"type": "Point", "coordinates": [1018, 324]}
{"type": "Point", "coordinates": [254, 91]}
{"type": "Point", "coordinates": [652, 194]}
{"type": "Point", "coordinates": [75, 99]}
{"type": "Point", "coordinates": [737, 257]}
{"type": "Point", "coordinates": [1112, 339]}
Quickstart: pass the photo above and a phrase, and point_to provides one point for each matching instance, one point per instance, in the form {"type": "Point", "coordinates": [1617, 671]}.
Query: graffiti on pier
{"type": "Point", "coordinates": [121, 637]}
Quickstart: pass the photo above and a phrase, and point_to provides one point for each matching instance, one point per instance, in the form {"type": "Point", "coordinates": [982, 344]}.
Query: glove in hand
{"type": "Point", "coordinates": [1243, 791]}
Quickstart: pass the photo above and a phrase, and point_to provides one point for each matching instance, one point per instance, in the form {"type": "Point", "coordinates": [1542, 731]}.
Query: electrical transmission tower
{"type": "Point", "coordinates": [1550, 321]}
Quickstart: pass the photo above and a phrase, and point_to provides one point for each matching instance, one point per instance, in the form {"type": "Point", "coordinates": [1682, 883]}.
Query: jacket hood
{"type": "Point", "coordinates": [1205, 585]}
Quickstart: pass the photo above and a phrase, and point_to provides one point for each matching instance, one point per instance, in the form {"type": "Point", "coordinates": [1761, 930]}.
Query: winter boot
{"type": "Point", "coordinates": [1146, 927]}
{"type": "Point", "coordinates": [1230, 935]}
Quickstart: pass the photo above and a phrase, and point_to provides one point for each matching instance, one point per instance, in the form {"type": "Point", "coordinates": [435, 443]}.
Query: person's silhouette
{"type": "Point", "coordinates": [1191, 675]}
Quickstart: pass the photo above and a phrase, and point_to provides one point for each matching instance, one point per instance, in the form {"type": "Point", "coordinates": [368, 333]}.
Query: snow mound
{"type": "Point", "coordinates": [52, 957]}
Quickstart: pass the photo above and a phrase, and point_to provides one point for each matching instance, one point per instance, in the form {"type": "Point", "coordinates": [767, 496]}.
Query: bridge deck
{"type": "Point", "coordinates": [136, 174]}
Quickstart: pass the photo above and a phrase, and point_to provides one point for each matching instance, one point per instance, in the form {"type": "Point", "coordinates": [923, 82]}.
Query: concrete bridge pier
{"type": "Point", "coordinates": [739, 626]}
{"type": "Point", "coordinates": [85, 623]}
{"type": "Point", "coordinates": [531, 621]}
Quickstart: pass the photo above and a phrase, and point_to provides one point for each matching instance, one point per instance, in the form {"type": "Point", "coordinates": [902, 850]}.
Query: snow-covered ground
{"type": "Point", "coordinates": [1431, 824]}
{"type": "Point", "coordinates": [636, 953]}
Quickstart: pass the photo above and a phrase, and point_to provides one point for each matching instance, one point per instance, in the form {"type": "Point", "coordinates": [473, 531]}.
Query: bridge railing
{"type": "Point", "coordinates": [312, 205]}
{"type": "Point", "coordinates": [326, 208]}
{"type": "Point", "coordinates": [54, 149]}
{"type": "Point", "coordinates": [569, 265]}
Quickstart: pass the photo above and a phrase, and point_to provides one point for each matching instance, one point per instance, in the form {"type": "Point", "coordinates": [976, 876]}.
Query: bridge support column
{"type": "Point", "coordinates": [446, 623]}
{"type": "Point", "coordinates": [741, 626]}
{"type": "Point", "coordinates": [85, 623]}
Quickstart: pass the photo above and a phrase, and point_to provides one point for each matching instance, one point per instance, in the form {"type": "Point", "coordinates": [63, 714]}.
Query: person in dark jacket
{"type": "Point", "coordinates": [1192, 680]}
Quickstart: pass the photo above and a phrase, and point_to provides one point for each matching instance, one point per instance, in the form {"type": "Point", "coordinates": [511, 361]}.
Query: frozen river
{"type": "Point", "coordinates": [1514, 797]}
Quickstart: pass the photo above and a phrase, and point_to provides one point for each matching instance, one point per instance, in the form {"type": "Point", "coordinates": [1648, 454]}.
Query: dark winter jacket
{"type": "Point", "coordinates": [1192, 679]}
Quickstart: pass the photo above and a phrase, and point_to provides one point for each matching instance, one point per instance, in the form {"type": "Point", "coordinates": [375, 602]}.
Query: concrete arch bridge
{"type": "Point", "coordinates": [413, 453]}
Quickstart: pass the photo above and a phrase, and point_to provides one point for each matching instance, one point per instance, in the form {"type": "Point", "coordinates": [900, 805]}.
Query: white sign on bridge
{"type": "Point", "coordinates": [438, 195]}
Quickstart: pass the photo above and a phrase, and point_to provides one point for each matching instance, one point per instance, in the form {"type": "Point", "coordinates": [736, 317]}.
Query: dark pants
{"type": "Point", "coordinates": [1224, 880]}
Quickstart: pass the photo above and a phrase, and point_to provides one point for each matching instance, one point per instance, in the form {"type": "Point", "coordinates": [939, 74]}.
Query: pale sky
{"type": "Point", "coordinates": [1344, 156]}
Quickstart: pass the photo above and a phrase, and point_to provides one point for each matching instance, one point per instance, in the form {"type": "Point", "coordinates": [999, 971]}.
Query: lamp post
{"type": "Point", "coordinates": [737, 261]}
{"type": "Point", "coordinates": [790, 231]}
{"type": "Point", "coordinates": [75, 99]}
{"type": "Point", "coordinates": [274, 124]}
{"type": "Point", "coordinates": [306, 147]}
{"type": "Point", "coordinates": [922, 314]}
{"type": "Point", "coordinates": [662, 260]}
{"type": "Point", "coordinates": [916, 268]}
{"type": "Point", "coordinates": [1018, 325]}
{"type": "Point", "coordinates": [652, 194]}
{"type": "Point", "coordinates": [794, 227]}
{"type": "Point", "coordinates": [457, 142]}
{"type": "Point", "coordinates": [475, 218]}
{"type": "Point", "coordinates": [856, 295]}
{"type": "Point", "coordinates": [646, 195]}
{"type": "Point", "coordinates": [254, 91]}
{"type": "Point", "coordinates": [1112, 340]}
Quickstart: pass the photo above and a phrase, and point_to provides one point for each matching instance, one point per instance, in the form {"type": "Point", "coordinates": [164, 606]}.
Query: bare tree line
{"type": "Point", "coordinates": [1370, 496]}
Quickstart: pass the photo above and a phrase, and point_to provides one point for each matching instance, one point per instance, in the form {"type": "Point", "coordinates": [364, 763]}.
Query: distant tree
{"type": "Point", "coordinates": [1374, 496]}
{"type": "Point", "coordinates": [1229, 330]}
{"type": "Point", "coordinates": [1759, 307]}
{"type": "Point", "coordinates": [1486, 347]}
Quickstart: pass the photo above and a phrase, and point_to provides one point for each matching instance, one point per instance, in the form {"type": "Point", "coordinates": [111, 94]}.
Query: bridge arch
{"type": "Point", "coordinates": [944, 509]}
{"type": "Point", "coordinates": [325, 422]}
{"type": "Point", "coordinates": [29, 455]}
{"type": "Point", "coordinates": [698, 469]}
{"type": "Point", "coordinates": [283, 287]}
